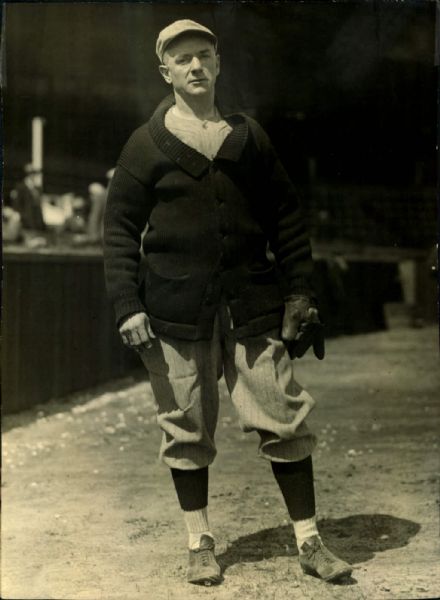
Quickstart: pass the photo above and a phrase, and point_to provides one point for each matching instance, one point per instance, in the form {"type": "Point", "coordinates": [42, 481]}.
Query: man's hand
{"type": "Point", "coordinates": [295, 313]}
{"type": "Point", "coordinates": [136, 332]}
{"type": "Point", "coordinates": [302, 327]}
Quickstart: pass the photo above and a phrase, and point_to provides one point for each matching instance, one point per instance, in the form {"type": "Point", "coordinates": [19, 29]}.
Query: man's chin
{"type": "Point", "coordinates": [198, 90]}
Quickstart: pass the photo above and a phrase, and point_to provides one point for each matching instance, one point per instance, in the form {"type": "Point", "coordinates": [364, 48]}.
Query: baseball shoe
{"type": "Point", "coordinates": [203, 568]}
{"type": "Point", "coordinates": [315, 559]}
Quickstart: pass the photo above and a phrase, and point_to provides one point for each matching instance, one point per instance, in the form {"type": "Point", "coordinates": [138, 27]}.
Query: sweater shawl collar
{"type": "Point", "coordinates": [186, 157]}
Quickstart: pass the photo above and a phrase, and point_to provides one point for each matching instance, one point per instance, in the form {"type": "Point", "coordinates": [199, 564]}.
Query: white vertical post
{"type": "Point", "coordinates": [37, 146]}
{"type": "Point", "coordinates": [408, 280]}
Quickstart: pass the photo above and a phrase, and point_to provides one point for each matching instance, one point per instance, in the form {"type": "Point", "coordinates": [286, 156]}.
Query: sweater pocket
{"type": "Point", "coordinates": [262, 294]}
{"type": "Point", "coordinates": [264, 275]}
{"type": "Point", "coordinates": [173, 298]}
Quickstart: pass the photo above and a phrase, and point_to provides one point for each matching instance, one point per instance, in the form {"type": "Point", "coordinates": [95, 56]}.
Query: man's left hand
{"type": "Point", "coordinates": [302, 327]}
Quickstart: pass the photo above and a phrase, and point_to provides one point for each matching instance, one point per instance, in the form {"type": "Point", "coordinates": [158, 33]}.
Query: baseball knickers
{"type": "Point", "coordinates": [184, 376]}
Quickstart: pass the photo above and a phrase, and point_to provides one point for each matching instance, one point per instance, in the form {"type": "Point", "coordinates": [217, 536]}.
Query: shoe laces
{"type": "Point", "coordinates": [322, 552]}
{"type": "Point", "coordinates": [205, 556]}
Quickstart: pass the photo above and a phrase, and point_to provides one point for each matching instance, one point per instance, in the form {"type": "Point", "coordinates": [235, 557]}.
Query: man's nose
{"type": "Point", "coordinates": [195, 64]}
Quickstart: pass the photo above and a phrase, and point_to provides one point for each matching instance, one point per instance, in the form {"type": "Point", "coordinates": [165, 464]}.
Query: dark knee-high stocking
{"type": "Point", "coordinates": [295, 480]}
{"type": "Point", "coordinates": [192, 493]}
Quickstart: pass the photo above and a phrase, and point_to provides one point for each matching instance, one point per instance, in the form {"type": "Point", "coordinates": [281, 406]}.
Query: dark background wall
{"type": "Point", "coordinates": [352, 85]}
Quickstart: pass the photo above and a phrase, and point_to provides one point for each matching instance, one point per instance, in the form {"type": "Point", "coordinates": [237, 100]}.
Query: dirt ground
{"type": "Point", "coordinates": [89, 513]}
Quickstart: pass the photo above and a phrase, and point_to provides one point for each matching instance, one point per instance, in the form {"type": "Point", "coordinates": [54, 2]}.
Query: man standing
{"type": "Point", "coordinates": [26, 199]}
{"type": "Point", "coordinates": [195, 202]}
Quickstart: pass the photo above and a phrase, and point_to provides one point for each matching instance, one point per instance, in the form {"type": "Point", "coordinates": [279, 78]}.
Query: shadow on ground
{"type": "Point", "coordinates": [355, 539]}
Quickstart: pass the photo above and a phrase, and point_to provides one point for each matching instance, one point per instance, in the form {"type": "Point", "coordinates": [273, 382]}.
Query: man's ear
{"type": "Point", "coordinates": [217, 58]}
{"type": "Point", "coordinates": [163, 69]}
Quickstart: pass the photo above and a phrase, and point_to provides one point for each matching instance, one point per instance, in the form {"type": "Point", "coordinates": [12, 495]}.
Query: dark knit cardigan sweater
{"type": "Point", "coordinates": [204, 227]}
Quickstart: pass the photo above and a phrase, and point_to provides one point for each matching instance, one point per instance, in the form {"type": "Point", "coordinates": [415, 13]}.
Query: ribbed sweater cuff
{"type": "Point", "coordinates": [124, 307]}
{"type": "Point", "coordinates": [301, 286]}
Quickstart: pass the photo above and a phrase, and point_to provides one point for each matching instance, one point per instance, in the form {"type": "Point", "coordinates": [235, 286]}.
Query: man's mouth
{"type": "Point", "coordinates": [201, 80]}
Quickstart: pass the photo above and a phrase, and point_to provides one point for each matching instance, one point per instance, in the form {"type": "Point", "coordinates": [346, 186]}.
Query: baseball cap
{"type": "Point", "coordinates": [169, 33]}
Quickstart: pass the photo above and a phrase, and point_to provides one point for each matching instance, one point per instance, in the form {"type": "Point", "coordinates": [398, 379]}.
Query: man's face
{"type": "Point", "coordinates": [191, 65]}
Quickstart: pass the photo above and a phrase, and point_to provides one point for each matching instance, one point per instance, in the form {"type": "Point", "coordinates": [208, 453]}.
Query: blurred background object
{"type": "Point", "coordinates": [97, 195]}
{"type": "Point", "coordinates": [11, 225]}
{"type": "Point", "coordinates": [26, 199]}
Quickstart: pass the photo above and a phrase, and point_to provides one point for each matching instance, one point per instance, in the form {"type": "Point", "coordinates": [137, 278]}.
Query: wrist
{"type": "Point", "coordinates": [125, 318]}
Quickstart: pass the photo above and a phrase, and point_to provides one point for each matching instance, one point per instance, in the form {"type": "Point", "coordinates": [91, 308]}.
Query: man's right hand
{"type": "Point", "coordinates": [136, 332]}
